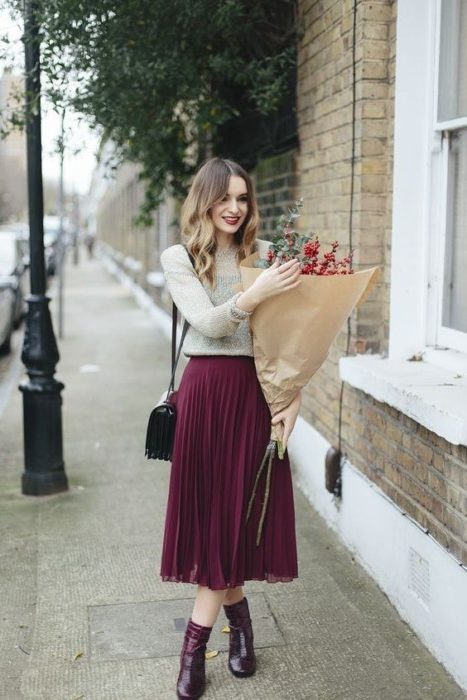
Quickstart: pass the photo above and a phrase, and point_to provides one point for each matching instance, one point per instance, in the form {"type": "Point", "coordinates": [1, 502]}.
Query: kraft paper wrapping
{"type": "Point", "coordinates": [293, 331]}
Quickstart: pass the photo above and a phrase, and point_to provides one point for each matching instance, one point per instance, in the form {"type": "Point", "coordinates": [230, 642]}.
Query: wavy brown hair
{"type": "Point", "coordinates": [209, 186]}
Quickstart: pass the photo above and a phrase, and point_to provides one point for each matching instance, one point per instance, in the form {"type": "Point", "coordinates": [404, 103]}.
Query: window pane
{"type": "Point", "coordinates": [452, 101]}
{"type": "Point", "coordinates": [455, 270]}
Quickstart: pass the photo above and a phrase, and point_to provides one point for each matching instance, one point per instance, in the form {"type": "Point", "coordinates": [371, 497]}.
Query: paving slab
{"type": "Point", "coordinates": [127, 630]}
{"type": "Point", "coordinates": [84, 614]}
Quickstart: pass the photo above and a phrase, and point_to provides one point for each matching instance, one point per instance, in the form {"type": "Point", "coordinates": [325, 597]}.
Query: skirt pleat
{"type": "Point", "coordinates": [222, 431]}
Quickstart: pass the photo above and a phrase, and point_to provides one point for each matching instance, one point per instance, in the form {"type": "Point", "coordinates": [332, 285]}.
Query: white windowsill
{"type": "Point", "coordinates": [434, 396]}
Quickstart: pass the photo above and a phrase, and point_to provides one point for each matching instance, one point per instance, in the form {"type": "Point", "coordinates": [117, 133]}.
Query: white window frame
{"type": "Point", "coordinates": [420, 193]}
{"type": "Point", "coordinates": [432, 392]}
{"type": "Point", "coordinates": [444, 336]}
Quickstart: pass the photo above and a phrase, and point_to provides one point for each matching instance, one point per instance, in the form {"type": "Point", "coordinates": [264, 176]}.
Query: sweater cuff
{"type": "Point", "coordinates": [237, 313]}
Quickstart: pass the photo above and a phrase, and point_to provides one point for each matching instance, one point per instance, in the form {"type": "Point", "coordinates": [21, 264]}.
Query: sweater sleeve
{"type": "Point", "coordinates": [191, 298]}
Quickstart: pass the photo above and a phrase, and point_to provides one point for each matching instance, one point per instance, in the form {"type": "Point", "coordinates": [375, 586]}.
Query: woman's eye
{"type": "Point", "coordinates": [243, 198]}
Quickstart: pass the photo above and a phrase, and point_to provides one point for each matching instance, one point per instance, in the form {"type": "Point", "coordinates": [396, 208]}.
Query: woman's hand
{"type": "Point", "coordinates": [277, 278]}
{"type": "Point", "coordinates": [288, 416]}
{"type": "Point", "coordinates": [272, 281]}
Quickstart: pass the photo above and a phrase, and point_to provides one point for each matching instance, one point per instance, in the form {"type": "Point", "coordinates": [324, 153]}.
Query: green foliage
{"type": "Point", "coordinates": [288, 244]}
{"type": "Point", "coordinates": [160, 77]}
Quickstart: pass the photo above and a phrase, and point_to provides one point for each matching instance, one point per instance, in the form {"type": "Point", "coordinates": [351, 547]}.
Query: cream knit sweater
{"type": "Point", "coordinates": [217, 325]}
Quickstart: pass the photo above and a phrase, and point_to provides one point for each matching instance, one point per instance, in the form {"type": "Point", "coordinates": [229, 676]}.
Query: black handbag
{"type": "Point", "coordinates": [160, 432]}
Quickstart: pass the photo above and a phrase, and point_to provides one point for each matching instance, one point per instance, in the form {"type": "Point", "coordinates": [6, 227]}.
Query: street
{"type": "Point", "coordinates": [84, 615]}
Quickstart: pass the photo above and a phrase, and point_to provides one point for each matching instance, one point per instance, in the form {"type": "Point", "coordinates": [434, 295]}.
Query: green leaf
{"type": "Point", "coordinates": [162, 78]}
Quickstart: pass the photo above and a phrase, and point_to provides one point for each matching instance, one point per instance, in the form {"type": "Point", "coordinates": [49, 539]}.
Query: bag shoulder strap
{"type": "Point", "coordinates": [176, 355]}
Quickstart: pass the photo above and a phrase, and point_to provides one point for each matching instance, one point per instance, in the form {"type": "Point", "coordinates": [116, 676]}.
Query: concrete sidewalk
{"type": "Point", "coordinates": [84, 615]}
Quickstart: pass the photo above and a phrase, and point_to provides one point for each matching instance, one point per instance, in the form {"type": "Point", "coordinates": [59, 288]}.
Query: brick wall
{"type": "Point", "coordinates": [117, 212]}
{"type": "Point", "coordinates": [324, 178]}
{"type": "Point", "coordinates": [324, 107]}
{"type": "Point", "coordinates": [115, 219]}
{"type": "Point", "coordinates": [425, 475]}
{"type": "Point", "coordinates": [276, 188]}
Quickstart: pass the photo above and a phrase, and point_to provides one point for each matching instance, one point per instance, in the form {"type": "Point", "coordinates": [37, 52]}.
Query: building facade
{"type": "Point", "coordinates": [382, 131]}
{"type": "Point", "coordinates": [13, 193]}
{"type": "Point", "coordinates": [381, 165]}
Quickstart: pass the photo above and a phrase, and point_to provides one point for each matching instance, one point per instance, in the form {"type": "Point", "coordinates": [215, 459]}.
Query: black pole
{"type": "Point", "coordinates": [42, 420]}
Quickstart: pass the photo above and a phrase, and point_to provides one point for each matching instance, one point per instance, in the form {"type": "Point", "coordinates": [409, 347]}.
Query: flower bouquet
{"type": "Point", "coordinates": [292, 332]}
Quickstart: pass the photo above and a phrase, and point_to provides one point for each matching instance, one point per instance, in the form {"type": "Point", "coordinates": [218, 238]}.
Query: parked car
{"type": "Point", "coordinates": [51, 234]}
{"type": "Point", "coordinates": [13, 285]}
{"type": "Point", "coordinates": [51, 231]}
{"type": "Point", "coordinates": [7, 312]}
{"type": "Point", "coordinates": [51, 228]}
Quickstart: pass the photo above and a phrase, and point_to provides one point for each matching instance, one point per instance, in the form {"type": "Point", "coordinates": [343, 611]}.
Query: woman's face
{"type": "Point", "coordinates": [230, 213]}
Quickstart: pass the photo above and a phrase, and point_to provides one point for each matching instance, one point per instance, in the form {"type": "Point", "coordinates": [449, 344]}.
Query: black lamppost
{"type": "Point", "coordinates": [42, 419]}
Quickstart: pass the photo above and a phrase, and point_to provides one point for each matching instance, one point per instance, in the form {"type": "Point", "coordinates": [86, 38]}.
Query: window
{"type": "Point", "coordinates": [451, 123]}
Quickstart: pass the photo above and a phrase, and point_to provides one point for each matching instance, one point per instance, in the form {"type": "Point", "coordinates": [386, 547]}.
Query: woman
{"type": "Point", "coordinates": [223, 423]}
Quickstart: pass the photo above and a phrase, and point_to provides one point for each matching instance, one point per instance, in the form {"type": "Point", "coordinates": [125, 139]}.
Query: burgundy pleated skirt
{"type": "Point", "coordinates": [222, 431]}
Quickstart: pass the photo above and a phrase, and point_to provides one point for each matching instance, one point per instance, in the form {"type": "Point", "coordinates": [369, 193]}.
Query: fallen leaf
{"type": "Point", "coordinates": [226, 629]}
{"type": "Point", "coordinates": [77, 655]}
{"type": "Point", "coordinates": [210, 654]}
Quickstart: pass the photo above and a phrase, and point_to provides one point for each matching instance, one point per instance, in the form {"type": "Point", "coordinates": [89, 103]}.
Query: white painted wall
{"type": "Point", "coordinates": [425, 584]}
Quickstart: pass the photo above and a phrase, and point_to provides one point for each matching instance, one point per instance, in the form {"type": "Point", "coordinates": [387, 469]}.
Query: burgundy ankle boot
{"type": "Point", "coordinates": [242, 660]}
{"type": "Point", "coordinates": [192, 679]}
